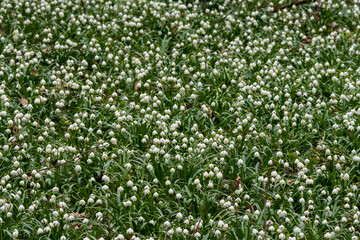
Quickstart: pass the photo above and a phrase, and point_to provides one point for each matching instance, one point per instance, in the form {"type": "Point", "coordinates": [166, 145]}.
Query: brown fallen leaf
{"type": "Point", "coordinates": [15, 128]}
{"type": "Point", "coordinates": [80, 215]}
{"type": "Point", "coordinates": [237, 182]}
{"type": "Point", "coordinates": [137, 85]}
{"type": "Point", "coordinates": [307, 40]}
{"type": "Point", "coordinates": [212, 114]}
{"type": "Point", "coordinates": [252, 208]}
{"type": "Point", "coordinates": [62, 84]}
{"type": "Point", "coordinates": [48, 48]}
{"type": "Point", "coordinates": [149, 143]}
{"type": "Point", "coordinates": [34, 73]}
{"type": "Point", "coordinates": [44, 90]}
{"type": "Point", "coordinates": [23, 101]}
{"type": "Point", "coordinates": [165, 86]}
{"type": "Point", "coordinates": [3, 31]}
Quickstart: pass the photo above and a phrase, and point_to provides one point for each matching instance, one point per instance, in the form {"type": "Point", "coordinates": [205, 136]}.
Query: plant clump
{"type": "Point", "coordinates": [204, 119]}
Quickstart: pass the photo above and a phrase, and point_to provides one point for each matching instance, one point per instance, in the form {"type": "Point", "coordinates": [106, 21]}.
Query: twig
{"type": "Point", "coordinates": [48, 48]}
{"type": "Point", "coordinates": [197, 227]}
{"type": "Point", "coordinates": [318, 6]}
{"type": "Point", "coordinates": [296, 3]}
{"type": "Point", "coordinates": [317, 10]}
{"type": "Point", "coordinates": [83, 6]}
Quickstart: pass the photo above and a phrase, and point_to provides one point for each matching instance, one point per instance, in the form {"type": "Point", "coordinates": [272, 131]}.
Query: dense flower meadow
{"type": "Point", "coordinates": [192, 119]}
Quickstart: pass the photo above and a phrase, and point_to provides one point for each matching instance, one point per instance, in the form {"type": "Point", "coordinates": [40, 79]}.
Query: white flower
{"type": "Point", "coordinates": [40, 231]}
{"type": "Point", "coordinates": [15, 233]}
{"type": "Point", "coordinates": [223, 153]}
{"type": "Point", "coordinates": [130, 183]}
{"type": "Point", "coordinates": [120, 237]}
{"type": "Point", "coordinates": [78, 168]}
{"type": "Point", "coordinates": [113, 141]}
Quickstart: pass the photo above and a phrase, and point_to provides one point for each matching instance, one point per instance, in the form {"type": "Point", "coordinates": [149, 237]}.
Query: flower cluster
{"type": "Point", "coordinates": [149, 119]}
